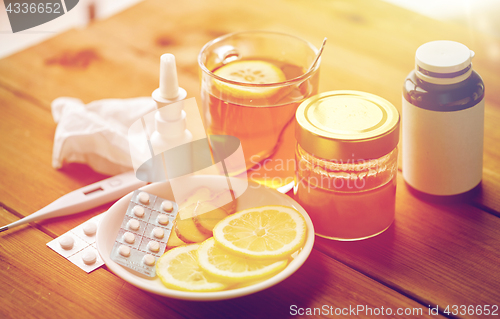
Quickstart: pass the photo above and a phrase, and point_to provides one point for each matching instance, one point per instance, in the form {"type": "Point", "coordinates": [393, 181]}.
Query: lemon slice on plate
{"type": "Point", "coordinates": [232, 268]}
{"type": "Point", "coordinates": [262, 232]}
{"type": "Point", "coordinates": [249, 71]}
{"type": "Point", "coordinates": [178, 269]}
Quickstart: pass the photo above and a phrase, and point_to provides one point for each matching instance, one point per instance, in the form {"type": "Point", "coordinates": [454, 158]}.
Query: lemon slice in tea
{"type": "Point", "coordinates": [262, 232]}
{"type": "Point", "coordinates": [249, 71]}
{"type": "Point", "coordinates": [178, 269]}
{"type": "Point", "coordinates": [233, 268]}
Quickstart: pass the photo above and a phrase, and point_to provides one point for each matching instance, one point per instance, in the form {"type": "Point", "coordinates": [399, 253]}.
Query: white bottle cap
{"type": "Point", "coordinates": [443, 62]}
{"type": "Point", "coordinates": [169, 86]}
{"type": "Point", "coordinates": [169, 90]}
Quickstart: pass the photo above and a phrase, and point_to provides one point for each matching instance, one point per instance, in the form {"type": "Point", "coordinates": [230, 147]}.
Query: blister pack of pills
{"type": "Point", "coordinates": [144, 232]}
{"type": "Point", "coordinates": [78, 245]}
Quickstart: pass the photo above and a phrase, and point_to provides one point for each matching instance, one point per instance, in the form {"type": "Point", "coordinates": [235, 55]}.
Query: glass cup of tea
{"type": "Point", "coordinates": [251, 85]}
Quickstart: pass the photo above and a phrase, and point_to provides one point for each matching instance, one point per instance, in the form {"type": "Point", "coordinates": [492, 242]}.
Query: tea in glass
{"type": "Point", "coordinates": [252, 84]}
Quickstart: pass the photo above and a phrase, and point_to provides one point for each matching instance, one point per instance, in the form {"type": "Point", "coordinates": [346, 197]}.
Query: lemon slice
{"type": "Point", "coordinates": [232, 268]}
{"type": "Point", "coordinates": [262, 232]}
{"type": "Point", "coordinates": [249, 71]}
{"type": "Point", "coordinates": [178, 269]}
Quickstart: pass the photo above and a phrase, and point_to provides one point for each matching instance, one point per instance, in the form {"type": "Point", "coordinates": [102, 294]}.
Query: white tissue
{"type": "Point", "coordinates": [96, 134]}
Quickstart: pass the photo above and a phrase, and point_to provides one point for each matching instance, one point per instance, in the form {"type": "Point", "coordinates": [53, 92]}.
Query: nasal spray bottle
{"type": "Point", "coordinates": [170, 124]}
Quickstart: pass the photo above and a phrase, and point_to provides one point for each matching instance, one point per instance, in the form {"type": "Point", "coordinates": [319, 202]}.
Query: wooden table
{"type": "Point", "coordinates": [433, 255]}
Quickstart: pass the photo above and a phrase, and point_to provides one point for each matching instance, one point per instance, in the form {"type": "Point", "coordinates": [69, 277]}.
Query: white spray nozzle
{"type": "Point", "coordinates": [169, 86]}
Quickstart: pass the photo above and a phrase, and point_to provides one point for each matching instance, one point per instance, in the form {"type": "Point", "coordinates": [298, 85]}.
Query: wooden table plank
{"type": "Point", "coordinates": [442, 254]}
{"type": "Point", "coordinates": [82, 65]}
{"type": "Point", "coordinates": [44, 285]}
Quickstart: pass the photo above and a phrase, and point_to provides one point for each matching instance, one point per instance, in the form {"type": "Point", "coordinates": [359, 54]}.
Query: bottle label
{"type": "Point", "coordinates": [442, 151]}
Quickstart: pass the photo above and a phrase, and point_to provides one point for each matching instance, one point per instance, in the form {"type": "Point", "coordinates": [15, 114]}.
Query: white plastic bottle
{"type": "Point", "coordinates": [443, 121]}
{"type": "Point", "coordinates": [171, 139]}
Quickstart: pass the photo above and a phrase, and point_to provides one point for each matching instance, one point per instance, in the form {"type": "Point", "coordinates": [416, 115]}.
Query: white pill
{"type": "Point", "coordinates": [89, 257]}
{"type": "Point", "coordinates": [149, 260]}
{"type": "Point", "coordinates": [158, 232]}
{"type": "Point", "coordinates": [138, 211]}
{"type": "Point", "coordinates": [124, 250]}
{"type": "Point", "coordinates": [154, 246]}
{"type": "Point", "coordinates": [143, 198]}
{"type": "Point", "coordinates": [90, 228]}
{"type": "Point", "coordinates": [162, 219]}
{"type": "Point", "coordinates": [133, 224]}
{"type": "Point", "coordinates": [167, 206]}
{"type": "Point", "coordinates": [128, 237]}
{"type": "Point", "coordinates": [66, 242]}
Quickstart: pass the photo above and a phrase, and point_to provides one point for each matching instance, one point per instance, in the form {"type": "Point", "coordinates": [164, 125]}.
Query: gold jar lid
{"type": "Point", "coordinates": [347, 125]}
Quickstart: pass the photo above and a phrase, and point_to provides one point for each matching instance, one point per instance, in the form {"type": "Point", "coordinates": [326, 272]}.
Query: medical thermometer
{"type": "Point", "coordinates": [85, 198]}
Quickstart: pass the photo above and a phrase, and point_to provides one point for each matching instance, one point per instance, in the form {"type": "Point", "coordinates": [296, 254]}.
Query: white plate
{"type": "Point", "coordinates": [254, 196]}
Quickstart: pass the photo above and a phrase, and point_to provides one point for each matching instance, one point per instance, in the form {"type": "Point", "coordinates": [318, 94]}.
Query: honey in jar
{"type": "Point", "coordinates": [346, 163]}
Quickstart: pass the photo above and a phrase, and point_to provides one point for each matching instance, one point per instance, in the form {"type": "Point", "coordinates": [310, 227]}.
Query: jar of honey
{"type": "Point", "coordinates": [346, 163]}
